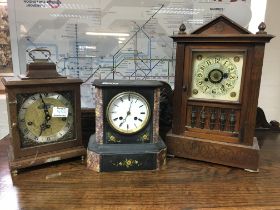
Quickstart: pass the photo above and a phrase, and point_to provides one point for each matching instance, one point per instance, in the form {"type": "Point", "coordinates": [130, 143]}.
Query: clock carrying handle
{"type": "Point", "coordinates": [44, 51]}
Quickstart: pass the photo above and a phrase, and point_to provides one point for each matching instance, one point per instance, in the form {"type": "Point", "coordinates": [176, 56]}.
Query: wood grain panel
{"type": "Point", "coordinates": [181, 184]}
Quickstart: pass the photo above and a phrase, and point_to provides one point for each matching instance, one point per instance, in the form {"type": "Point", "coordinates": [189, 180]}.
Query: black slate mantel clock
{"type": "Point", "coordinates": [217, 81]}
{"type": "Point", "coordinates": [127, 127]}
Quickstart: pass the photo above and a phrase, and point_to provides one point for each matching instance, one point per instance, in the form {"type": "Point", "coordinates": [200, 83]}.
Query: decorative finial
{"type": "Point", "coordinates": [182, 29]}
{"type": "Point", "coordinates": [262, 28]}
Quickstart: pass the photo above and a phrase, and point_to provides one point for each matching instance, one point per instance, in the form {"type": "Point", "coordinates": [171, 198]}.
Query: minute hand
{"type": "Point", "coordinates": [45, 125]}
{"type": "Point", "coordinates": [128, 113]}
{"type": "Point", "coordinates": [46, 111]}
{"type": "Point", "coordinates": [130, 107]}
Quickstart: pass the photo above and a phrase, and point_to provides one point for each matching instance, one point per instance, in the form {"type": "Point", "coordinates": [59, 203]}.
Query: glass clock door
{"type": "Point", "coordinates": [217, 75]}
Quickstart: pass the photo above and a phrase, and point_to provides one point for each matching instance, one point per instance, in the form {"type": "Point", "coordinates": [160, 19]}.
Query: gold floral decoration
{"type": "Point", "coordinates": [145, 137]}
{"type": "Point", "coordinates": [113, 138]}
{"type": "Point", "coordinates": [128, 163]}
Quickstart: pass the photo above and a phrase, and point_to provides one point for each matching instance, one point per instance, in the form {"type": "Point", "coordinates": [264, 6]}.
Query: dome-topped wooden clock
{"type": "Point", "coordinates": [127, 127]}
{"type": "Point", "coordinates": [44, 115]}
{"type": "Point", "coordinates": [217, 80]}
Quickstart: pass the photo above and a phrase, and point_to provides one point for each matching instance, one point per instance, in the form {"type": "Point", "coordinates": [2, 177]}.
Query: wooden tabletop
{"type": "Point", "coordinates": [182, 184]}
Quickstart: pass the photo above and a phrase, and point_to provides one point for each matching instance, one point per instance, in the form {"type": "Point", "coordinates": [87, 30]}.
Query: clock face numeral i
{"type": "Point", "coordinates": [128, 112]}
{"type": "Point", "coordinates": [38, 122]}
{"type": "Point", "coordinates": [217, 75]}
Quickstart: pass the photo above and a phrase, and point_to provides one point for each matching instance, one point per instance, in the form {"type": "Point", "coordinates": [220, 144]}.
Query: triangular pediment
{"type": "Point", "coordinates": [221, 25]}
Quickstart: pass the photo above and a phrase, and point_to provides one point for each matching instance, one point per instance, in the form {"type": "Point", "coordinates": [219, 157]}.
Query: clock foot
{"type": "Point", "coordinates": [170, 155]}
{"type": "Point", "coordinates": [252, 171]}
{"type": "Point", "coordinates": [14, 172]}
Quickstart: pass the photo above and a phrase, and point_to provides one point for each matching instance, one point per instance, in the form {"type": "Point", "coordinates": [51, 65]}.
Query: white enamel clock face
{"type": "Point", "coordinates": [128, 112]}
{"type": "Point", "coordinates": [39, 123]}
{"type": "Point", "coordinates": [217, 75]}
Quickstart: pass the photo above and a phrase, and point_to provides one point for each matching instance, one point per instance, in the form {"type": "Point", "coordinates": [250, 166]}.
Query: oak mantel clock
{"type": "Point", "coordinates": [127, 127]}
{"type": "Point", "coordinates": [44, 115]}
{"type": "Point", "coordinates": [217, 81]}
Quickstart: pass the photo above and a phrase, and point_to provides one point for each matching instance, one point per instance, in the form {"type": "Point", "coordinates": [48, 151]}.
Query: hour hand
{"type": "Point", "coordinates": [44, 126]}
{"type": "Point", "coordinates": [123, 121]}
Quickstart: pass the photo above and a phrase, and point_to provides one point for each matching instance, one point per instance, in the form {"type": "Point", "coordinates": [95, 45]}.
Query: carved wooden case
{"type": "Point", "coordinates": [212, 124]}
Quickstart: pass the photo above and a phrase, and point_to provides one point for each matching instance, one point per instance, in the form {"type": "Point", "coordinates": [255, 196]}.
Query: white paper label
{"type": "Point", "coordinates": [60, 112]}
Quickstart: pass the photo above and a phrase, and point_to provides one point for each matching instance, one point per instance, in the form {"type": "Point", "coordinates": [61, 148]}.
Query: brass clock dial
{"type": "Point", "coordinates": [45, 118]}
{"type": "Point", "coordinates": [217, 75]}
{"type": "Point", "coordinates": [128, 112]}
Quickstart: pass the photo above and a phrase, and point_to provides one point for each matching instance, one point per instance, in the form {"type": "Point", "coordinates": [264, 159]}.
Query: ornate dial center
{"type": "Point", "coordinates": [215, 76]}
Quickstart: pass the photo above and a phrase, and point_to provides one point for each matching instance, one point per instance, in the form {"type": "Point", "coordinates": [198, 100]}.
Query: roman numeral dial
{"type": "Point", "coordinates": [128, 112]}
{"type": "Point", "coordinates": [45, 117]}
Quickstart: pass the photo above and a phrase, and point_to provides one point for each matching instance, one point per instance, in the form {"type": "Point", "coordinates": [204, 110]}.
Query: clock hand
{"type": "Point", "coordinates": [42, 126]}
{"type": "Point", "coordinates": [130, 106]}
{"type": "Point", "coordinates": [128, 113]}
{"type": "Point", "coordinates": [45, 124]}
{"type": "Point", "coordinates": [123, 120]}
{"type": "Point", "coordinates": [45, 106]}
{"type": "Point", "coordinates": [225, 75]}
{"type": "Point", "coordinates": [46, 111]}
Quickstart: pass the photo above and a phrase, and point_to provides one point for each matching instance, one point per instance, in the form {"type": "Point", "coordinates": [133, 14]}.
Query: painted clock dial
{"type": "Point", "coordinates": [217, 75]}
{"type": "Point", "coordinates": [128, 112]}
{"type": "Point", "coordinates": [45, 118]}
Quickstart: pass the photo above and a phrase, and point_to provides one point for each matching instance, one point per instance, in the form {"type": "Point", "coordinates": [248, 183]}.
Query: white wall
{"type": "Point", "coordinates": [13, 37]}
{"type": "Point", "coordinates": [269, 99]}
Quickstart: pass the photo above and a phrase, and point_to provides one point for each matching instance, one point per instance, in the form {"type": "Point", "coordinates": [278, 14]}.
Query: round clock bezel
{"type": "Point", "coordinates": [55, 137]}
{"type": "Point", "coordinates": [145, 121]}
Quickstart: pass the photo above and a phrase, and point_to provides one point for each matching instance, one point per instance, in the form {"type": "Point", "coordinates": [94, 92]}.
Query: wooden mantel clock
{"type": "Point", "coordinates": [217, 81]}
{"type": "Point", "coordinates": [44, 115]}
{"type": "Point", "coordinates": [127, 127]}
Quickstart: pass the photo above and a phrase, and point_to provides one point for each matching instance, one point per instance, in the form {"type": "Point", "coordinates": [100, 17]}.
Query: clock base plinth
{"type": "Point", "coordinates": [230, 154]}
{"type": "Point", "coordinates": [125, 157]}
{"type": "Point", "coordinates": [42, 158]}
